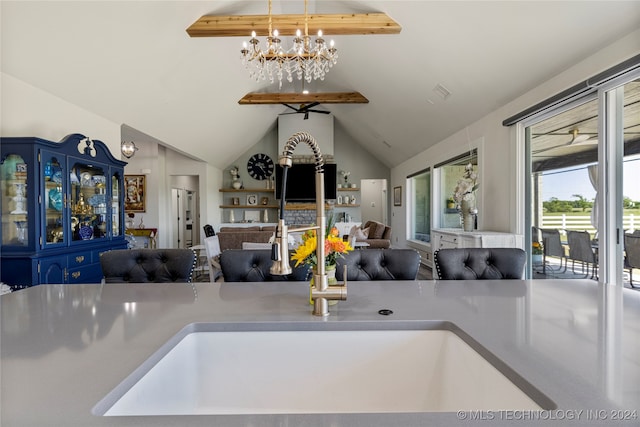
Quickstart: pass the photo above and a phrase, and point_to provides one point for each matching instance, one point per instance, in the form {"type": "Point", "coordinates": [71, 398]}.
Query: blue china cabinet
{"type": "Point", "coordinates": [62, 205]}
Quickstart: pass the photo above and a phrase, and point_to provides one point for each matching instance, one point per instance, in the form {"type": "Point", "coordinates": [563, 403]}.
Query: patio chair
{"type": "Point", "coordinates": [581, 250]}
{"type": "Point", "coordinates": [631, 254]}
{"type": "Point", "coordinates": [552, 247]}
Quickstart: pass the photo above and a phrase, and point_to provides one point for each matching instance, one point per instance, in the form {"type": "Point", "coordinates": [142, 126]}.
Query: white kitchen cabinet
{"type": "Point", "coordinates": [442, 238]}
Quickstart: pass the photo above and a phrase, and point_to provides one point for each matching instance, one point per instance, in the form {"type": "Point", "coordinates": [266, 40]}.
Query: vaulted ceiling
{"type": "Point", "coordinates": [134, 63]}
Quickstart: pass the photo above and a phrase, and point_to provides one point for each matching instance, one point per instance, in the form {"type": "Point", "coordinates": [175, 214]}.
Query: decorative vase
{"type": "Point", "coordinates": [21, 227]}
{"type": "Point", "coordinates": [237, 184]}
{"type": "Point", "coordinates": [86, 232]}
{"type": "Point", "coordinates": [536, 259]}
{"type": "Point", "coordinates": [330, 270]}
{"type": "Point", "coordinates": [467, 208]}
{"type": "Point", "coordinates": [19, 199]}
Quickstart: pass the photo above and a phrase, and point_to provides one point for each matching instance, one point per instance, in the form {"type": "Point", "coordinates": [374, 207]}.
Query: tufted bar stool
{"type": "Point", "coordinates": [379, 264]}
{"type": "Point", "coordinates": [480, 263]}
{"type": "Point", "coordinates": [253, 265]}
{"type": "Point", "coordinates": [147, 265]}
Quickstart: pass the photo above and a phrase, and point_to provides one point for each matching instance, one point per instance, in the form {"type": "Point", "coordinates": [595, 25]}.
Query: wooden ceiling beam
{"type": "Point", "coordinates": [330, 24]}
{"type": "Point", "coordinates": [299, 98]}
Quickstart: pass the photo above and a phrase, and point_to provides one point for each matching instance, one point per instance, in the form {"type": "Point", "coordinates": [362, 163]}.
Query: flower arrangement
{"type": "Point", "coordinates": [334, 247]}
{"type": "Point", "coordinates": [466, 185]}
{"type": "Point", "coordinates": [345, 176]}
{"type": "Point", "coordinates": [536, 248]}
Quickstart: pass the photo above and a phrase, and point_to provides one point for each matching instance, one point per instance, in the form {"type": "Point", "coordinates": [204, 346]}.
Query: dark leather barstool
{"type": "Point", "coordinates": [379, 264]}
{"type": "Point", "coordinates": [252, 265]}
{"type": "Point", "coordinates": [480, 263]}
{"type": "Point", "coordinates": [147, 265]}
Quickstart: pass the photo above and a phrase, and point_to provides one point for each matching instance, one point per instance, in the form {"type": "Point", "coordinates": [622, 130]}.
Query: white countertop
{"type": "Point", "coordinates": [64, 347]}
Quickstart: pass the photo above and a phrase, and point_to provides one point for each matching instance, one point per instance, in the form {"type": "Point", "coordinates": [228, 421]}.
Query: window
{"type": "Point", "coordinates": [449, 173]}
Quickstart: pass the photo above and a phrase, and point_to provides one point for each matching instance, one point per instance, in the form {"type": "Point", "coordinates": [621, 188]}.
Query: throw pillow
{"type": "Point", "coordinates": [378, 231]}
{"type": "Point", "coordinates": [352, 233]}
{"type": "Point", "coordinates": [362, 235]}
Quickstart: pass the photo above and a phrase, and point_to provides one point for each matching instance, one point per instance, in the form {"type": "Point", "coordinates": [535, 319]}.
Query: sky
{"type": "Point", "coordinates": [563, 185]}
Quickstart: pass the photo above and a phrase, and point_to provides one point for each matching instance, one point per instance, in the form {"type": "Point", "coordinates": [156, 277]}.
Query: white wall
{"type": "Point", "coordinates": [29, 111]}
{"type": "Point", "coordinates": [159, 164]}
{"type": "Point", "coordinates": [320, 126]}
{"type": "Point", "coordinates": [500, 209]}
{"type": "Point", "coordinates": [348, 155]}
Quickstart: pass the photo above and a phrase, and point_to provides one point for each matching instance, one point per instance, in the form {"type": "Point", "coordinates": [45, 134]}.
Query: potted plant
{"type": "Point", "coordinates": [536, 253]}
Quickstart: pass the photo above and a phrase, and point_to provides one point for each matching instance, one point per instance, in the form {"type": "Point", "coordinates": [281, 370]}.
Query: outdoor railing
{"type": "Point", "coordinates": [630, 222]}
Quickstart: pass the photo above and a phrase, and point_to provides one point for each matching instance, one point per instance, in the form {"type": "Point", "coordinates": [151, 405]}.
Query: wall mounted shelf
{"type": "Point", "coordinates": [247, 190]}
{"type": "Point", "coordinates": [248, 206]}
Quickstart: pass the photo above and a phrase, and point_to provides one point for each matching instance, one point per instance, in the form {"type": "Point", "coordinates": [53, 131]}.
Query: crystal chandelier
{"type": "Point", "coordinates": [305, 59]}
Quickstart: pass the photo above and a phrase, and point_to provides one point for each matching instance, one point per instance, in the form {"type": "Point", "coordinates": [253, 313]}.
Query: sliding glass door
{"type": "Point", "coordinates": [583, 192]}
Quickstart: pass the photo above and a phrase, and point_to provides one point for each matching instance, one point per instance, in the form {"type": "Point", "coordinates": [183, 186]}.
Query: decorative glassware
{"type": "Point", "coordinates": [21, 227]}
{"type": "Point", "coordinates": [19, 199]}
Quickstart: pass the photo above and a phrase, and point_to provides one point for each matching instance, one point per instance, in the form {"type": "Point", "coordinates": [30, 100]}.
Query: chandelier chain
{"type": "Point", "coordinates": [306, 21]}
{"type": "Point", "coordinates": [270, 22]}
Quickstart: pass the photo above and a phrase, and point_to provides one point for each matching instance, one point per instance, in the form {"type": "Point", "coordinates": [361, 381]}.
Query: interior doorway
{"type": "Point", "coordinates": [373, 204]}
{"type": "Point", "coordinates": [185, 211]}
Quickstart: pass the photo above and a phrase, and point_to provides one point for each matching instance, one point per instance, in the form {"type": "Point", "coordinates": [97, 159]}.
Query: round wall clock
{"type": "Point", "coordinates": [260, 166]}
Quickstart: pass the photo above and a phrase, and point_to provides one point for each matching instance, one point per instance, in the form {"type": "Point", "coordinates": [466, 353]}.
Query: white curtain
{"type": "Point", "coordinates": [593, 177]}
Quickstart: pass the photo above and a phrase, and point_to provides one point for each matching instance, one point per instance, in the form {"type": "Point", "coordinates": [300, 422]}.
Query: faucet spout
{"type": "Point", "coordinates": [322, 291]}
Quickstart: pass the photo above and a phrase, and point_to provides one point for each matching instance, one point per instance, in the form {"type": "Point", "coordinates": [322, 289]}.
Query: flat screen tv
{"type": "Point", "coordinates": [301, 182]}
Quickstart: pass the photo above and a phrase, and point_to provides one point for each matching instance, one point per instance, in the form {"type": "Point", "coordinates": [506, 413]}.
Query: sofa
{"type": "Point", "coordinates": [232, 237]}
{"type": "Point", "coordinates": [376, 234]}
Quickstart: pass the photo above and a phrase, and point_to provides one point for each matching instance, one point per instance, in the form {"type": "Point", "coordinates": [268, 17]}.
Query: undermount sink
{"type": "Point", "coordinates": [338, 367]}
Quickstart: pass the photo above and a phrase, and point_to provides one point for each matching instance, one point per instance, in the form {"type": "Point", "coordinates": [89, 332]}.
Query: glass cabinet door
{"type": "Point", "coordinates": [55, 200]}
{"type": "Point", "coordinates": [116, 191]}
{"type": "Point", "coordinates": [88, 202]}
{"type": "Point", "coordinates": [14, 186]}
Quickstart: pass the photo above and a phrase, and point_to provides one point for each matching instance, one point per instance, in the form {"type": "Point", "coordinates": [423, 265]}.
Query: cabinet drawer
{"type": "Point", "coordinates": [447, 241]}
{"type": "Point", "coordinates": [79, 258]}
{"type": "Point", "coordinates": [86, 274]}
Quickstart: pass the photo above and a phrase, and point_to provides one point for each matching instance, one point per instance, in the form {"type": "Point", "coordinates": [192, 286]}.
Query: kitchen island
{"type": "Point", "coordinates": [65, 347]}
